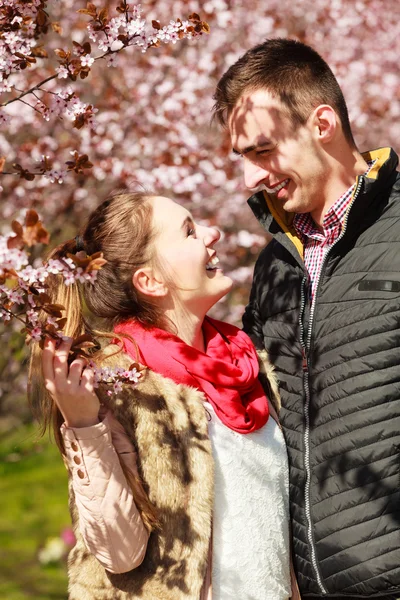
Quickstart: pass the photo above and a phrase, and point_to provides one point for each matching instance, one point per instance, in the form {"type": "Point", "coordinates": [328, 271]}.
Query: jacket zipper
{"type": "Point", "coordinates": [305, 346]}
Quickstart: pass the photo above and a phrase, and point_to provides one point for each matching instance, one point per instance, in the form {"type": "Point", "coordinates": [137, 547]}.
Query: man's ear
{"type": "Point", "coordinates": [148, 283]}
{"type": "Point", "coordinates": [325, 123]}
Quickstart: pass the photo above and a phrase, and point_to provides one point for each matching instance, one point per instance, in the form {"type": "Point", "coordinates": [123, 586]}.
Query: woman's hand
{"type": "Point", "coordinates": [70, 386]}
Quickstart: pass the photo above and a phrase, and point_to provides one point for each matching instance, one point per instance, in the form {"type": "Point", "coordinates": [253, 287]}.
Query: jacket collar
{"type": "Point", "coordinates": [279, 223]}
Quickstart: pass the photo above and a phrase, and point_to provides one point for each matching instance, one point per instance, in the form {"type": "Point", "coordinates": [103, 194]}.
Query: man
{"type": "Point", "coordinates": [325, 303]}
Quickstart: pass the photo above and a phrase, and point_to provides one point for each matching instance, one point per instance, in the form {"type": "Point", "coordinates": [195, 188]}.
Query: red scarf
{"type": "Point", "coordinates": [227, 372]}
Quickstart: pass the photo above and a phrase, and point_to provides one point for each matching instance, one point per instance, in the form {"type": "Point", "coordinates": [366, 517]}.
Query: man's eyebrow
{"type": "Point", "coordinates": [251, 148]}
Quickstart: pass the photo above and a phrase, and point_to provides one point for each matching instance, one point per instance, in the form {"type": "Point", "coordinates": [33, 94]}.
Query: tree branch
{"type": "Point", "coordinates": [36, 87]}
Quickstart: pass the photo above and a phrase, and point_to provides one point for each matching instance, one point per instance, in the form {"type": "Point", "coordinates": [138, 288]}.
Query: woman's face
{"type": "Point", "coordinates": [186, 252]}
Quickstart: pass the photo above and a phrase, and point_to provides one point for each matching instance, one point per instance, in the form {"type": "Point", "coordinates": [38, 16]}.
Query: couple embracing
{"type": "Point", "coordinates": [260, 464]}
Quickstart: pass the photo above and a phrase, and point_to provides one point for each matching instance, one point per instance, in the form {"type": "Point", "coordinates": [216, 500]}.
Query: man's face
{"type": "Point", "coordinates": [286, 161]}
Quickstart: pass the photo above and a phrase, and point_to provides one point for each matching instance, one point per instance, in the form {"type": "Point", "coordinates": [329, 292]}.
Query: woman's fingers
{"type": "Point", "coordinates": [76, 369]}
{"type": "Point", "coordinates": [47, 363]}
{"type": "Point", "coordinates": [58, 374]}
{"type": "Point", "coordinates": [61, 359]}
{"type": "Point", "coordinates": [87, 379]}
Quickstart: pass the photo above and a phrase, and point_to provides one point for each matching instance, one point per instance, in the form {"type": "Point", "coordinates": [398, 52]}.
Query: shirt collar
{"type": "Point", "coordinates": [305, 224]}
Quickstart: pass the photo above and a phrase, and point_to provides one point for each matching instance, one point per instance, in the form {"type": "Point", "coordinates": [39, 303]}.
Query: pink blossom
{"type": "Point", "coordinates": [87, 60]}
{"type": "Point", "coordinates": [6, 86]}
{"type": "Point", "coordinates": [117, 387]}
{"type": "Point", "coordinates": [56, 175]}
{"type": "Point", "coordinates": [103, 45]}
{"type": "Point", "coordinates": [135, 27]}
{"type": "Point", "coordinates": [93, 35]}
{"type": "Point", "coordinates": [112, 60]}
{"type": "Point", "coordinates": [4, 315]}
{"type": "Point", "coordinates": [15, 296]}
{"type": "Point", "coordinates": [36, 334]}
{"type": "Point", "coordinates": [134, 376]}
{"type": "Point", "coordinates": [31, 300]}
{"type": "Point", "coordinates": [62, 72]}
{"type": "Point", "coordinates": [91, 277]}
{"type": "Point", "coordinates": [30, 28]}
{"type": "Point", "coordinates": [32, 317]}
{"type": "Point", "coordinates": [69, 278]}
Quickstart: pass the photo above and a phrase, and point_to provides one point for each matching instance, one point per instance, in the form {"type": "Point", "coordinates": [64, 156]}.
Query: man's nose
{"type": "Point", "coordinates": [254, 175]}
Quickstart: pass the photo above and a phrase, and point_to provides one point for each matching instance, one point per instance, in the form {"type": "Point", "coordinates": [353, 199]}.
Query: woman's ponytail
{"type": "Point", "coordinates": [69, 296]}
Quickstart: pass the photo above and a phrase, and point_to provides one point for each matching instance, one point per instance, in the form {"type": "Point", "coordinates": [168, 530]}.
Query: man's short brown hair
{"type": "Point", "coordinates": [292, 72]}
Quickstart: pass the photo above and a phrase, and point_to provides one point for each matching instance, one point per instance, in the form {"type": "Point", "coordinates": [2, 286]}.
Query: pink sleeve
{"type": "Point", "coordinates": [109, 521]}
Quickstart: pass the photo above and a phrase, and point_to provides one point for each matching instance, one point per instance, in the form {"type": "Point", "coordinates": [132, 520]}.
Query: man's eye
{"type": "Point", "coordinates": [264, 152]}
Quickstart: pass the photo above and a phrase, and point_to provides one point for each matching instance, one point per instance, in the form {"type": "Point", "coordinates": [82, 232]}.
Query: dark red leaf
{"type": "Point", "coordinates": [31, 218]}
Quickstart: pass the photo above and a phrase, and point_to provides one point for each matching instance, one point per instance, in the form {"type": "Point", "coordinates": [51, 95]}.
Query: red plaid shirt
{"type": "Point", "coordinates": [317, 242]}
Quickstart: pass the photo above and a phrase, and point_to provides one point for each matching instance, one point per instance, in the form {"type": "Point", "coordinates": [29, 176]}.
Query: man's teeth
{"type": "Point", "coordinates": [276, 189]}
{"type": "Point", "coordinates": [212, 263]}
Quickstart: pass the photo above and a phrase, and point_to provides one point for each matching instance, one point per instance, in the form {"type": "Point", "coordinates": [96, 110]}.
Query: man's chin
{"type": "Point", "coordinates": [291, 205]}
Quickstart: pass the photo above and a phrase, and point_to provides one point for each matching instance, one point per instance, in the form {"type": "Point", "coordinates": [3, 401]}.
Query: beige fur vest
{"type": "Point", "coordinates": [167, 424]}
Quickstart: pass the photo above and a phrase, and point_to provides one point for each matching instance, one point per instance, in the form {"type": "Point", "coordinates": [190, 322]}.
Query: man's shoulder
{"type": "Point", "coordinates": [395, 190]}
{"type": "Point", "coordinates": [278, 250]}
{"type": "Point", "coordinates": [265, 257]}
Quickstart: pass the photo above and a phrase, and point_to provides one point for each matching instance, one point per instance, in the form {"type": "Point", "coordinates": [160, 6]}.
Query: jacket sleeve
{"type": "Point", "coordinates": [109, 520]}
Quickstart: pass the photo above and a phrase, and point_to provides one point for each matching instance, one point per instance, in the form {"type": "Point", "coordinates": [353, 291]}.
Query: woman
{"type": "Point", "coordinates": [178, 485]}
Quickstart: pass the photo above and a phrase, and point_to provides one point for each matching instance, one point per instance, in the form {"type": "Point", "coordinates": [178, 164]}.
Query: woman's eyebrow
{"type": "Point", "coordinates": [187, 221]}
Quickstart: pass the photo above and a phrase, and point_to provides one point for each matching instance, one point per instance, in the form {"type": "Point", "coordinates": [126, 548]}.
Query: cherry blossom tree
{"type": "Point", "coordinates": [23, 25]}
{"type": "Point", "coordinates": [127, 101]}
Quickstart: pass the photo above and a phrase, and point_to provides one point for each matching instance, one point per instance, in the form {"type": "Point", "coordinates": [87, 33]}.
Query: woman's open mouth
{"type": "Point", "coordinates": [212, 264]}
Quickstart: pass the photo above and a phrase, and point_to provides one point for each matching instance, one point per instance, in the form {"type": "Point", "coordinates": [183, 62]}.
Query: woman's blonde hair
{"type": "Point", "coordinates": [120, 228]}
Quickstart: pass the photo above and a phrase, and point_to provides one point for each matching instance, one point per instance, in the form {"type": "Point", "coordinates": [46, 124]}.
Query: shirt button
{"type": "Point", "coordinates": [77, 460]}
{"type": "Point", "coordinates": [81, 474]}
{"type": "Point", "coordinates": [75, 446]}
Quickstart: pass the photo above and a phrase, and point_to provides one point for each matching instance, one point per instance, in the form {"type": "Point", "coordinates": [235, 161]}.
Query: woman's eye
{"type": "Point", "coordinates": [191, 231]}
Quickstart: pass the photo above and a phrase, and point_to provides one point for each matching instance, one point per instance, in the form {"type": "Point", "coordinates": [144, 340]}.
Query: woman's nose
{"type": "Point", "coordinates": [211, 235]}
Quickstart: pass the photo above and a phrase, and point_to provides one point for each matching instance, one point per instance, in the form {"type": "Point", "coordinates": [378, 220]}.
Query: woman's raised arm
{"type": "Point", "coordinates": [109, 520]}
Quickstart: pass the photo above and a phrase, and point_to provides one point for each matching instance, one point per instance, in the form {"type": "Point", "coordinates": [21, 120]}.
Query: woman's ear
{"type": "Point", "coordinates": [148, 283]}
{"type": "Point", "coordinates": [325, 122]}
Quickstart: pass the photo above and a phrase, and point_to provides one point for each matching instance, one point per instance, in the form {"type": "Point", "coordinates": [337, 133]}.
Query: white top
{"type": "Point", "coordinates": [251, 553]}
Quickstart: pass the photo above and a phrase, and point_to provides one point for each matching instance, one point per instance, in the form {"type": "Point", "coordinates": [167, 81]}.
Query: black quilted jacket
{"type": "Point", "coordinates": [339, 372]}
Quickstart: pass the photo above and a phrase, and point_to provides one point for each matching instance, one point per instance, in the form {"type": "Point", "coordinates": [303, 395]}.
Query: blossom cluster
{"type": "Point", "coordinates": [22, 23]}
{"type": "Point", "coordinates": [24, 285]}
{"type": "Point", "coordinates": [23, 296]}
{"type": "Point", "coordinates": [115, 377]}
{"type": "Point", "coordinates": [65, 103]}
{"type": "Point", "coordinates": [131, 29]}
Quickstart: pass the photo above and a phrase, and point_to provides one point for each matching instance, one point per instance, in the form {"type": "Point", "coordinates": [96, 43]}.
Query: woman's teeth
{"type": "Point", "coordinates": [278, 187]}
{"type": "Point", "coordinates": [212, 263]}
